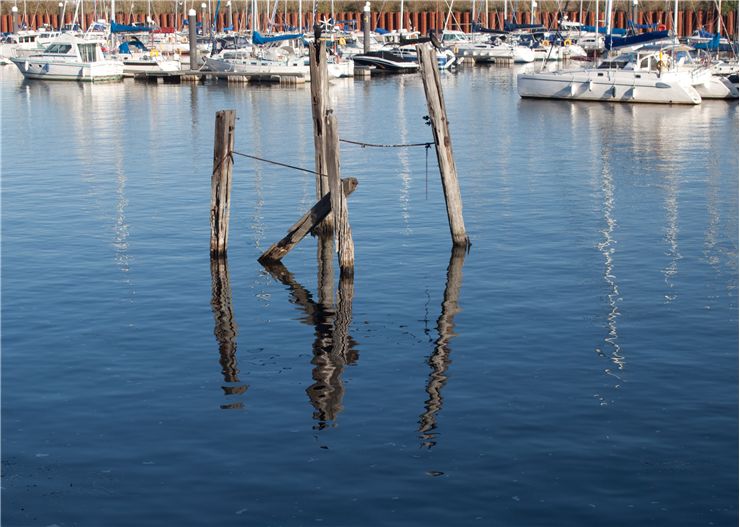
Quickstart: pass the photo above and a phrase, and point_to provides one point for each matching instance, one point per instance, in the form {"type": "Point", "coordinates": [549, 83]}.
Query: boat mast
{"type": "Point", "coordinates": [400, 29]}
{"type": "Point", "coordinates": [532, 7]}
{"type": "Point", "coordinates": [719, 17]}
{"type": "Point", "coordinates": [449, 14]}
{"type": "Point", "coordinates": [675, 21]}
{"type": "Point", "coordinates": [608, 15]}
{"type": "Point", "coordinates": [596, 25]}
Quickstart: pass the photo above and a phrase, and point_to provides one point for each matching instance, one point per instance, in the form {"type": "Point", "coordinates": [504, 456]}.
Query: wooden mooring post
{"type": "Point", "coordinates": [331, 190]}
{"type": "Point", "coordinates": [442, 142]}
{"type": "Point", "coordinates": [319, 105]}
{"type": "Point", "coordinates": [223, 162]}
{"type": "Point", "coordinates": [345, 244]}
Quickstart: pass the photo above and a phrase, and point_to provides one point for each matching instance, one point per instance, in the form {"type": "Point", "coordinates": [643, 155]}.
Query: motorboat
{"type": "Point", "coordinates": [486, 48]}
{"type": "Point", "coordinates": [646, 75]}
{"type": "Point", "coordinates": [69, 57]}
{"type": "Point", "coordinates": [389, 59]}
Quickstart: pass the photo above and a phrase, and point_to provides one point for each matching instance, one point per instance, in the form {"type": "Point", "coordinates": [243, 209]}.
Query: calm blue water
{"type": "Point", "coordinates": [578, 367]}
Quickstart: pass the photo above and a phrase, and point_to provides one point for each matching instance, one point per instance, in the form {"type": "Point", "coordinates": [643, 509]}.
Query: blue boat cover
{"type": "Point", "coordinates": [258, 38]}
{"type": "Point", "coordinates": [617, 42]}
{"type": "Point", "coordinates": [122, 28]}
{"type": "Point", "coordinates": [602, 30]}
{"type": "Point", "coordinates": [632, 24]}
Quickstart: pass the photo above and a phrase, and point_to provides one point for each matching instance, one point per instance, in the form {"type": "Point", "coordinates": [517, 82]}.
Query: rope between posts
{"type": "Point", "coordinates": [278, 163]}
{"type": "Point", "coordinates": [426, 146]}
{"type": "Point", "coordinates": [375, 145]}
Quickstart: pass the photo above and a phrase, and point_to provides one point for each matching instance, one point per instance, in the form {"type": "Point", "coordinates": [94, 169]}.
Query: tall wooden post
{"type": "Point", "coordinates": [442, 142]}
{"type": "Point", "coordinates": [339, 208]}
{"type": "Point", "coordinates": [319, 106]}
{"type": "Point", "coordinates": [223, 146]}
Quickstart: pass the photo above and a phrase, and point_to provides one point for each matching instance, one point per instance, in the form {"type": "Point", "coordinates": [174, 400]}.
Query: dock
{"type": "Point", "coordinates": [178, 77]}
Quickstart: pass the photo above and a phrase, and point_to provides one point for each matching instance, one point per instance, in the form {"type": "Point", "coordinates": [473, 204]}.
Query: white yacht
{"type": "Point", "coordinates": [643, 76]}
{"type": "Point", "coordinates": [70, 58]}
{"type": "Point", "coordinates": [487, 48]}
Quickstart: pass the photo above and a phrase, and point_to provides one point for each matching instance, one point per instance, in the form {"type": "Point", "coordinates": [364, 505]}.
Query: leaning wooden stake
{"type": "Point", "coordinates": [223, 146]}
{"type": "Point", "coordinates": [319, 106]}
{"type": "Point", "coordinates": [345, 245]}
{"type": "Point", "coordinates": [304, 225]}
{"type": "Point", "coordinates": [442, 142]}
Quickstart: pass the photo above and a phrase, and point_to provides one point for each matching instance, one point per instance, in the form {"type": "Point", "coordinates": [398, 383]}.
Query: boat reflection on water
{"type": "Point", "coordinates": [226, 331]}
{"type": "Point", "coordinates": [333, 348]}
{"type": "Point", "coordinates": [439, 360]}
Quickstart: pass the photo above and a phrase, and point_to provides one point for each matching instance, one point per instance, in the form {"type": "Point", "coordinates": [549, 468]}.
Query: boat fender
{"type": "Point", "coordinates": [661, 27]}
{"type": "Point", "coordinates": [567, 42]}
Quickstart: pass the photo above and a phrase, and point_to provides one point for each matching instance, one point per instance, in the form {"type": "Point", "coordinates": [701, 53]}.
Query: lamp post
{"type": "Point", "coordinates": [366, 28]}
{"type": "Point", "coordinates": [634, 11]}
{"type": "Point", "coordinates": [203, 18]}
{"type": "Point", "coordinates": [192, 40]}
{"type": "Point", "coordinates": [14, 10]}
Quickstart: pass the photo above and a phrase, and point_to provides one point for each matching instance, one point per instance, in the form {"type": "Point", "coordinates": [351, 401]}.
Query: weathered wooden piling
{"type": "Point", "coordinates": [223, 162]}
{"type": "Point", "coordinates": [345, 244]}
{"type": "Point", "coordinates": [319, 106]}
{"type": "Point", "coordinates": [442, 142]}
{"type": "Point", "coordinates": [304, 225]}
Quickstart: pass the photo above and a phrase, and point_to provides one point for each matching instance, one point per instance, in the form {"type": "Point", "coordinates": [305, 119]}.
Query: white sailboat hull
{"type": "Point", "coordinates": [608, 86]}
{"type": "Point", "coordinates": [260, 68]}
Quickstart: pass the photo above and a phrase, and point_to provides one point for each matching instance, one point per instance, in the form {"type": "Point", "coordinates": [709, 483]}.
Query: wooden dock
{"type": "Point", "coordinates": [178, 77]}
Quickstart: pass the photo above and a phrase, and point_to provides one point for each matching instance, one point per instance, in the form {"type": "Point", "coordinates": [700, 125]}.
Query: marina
{"type": "Point", "coordinates": [526, 315]}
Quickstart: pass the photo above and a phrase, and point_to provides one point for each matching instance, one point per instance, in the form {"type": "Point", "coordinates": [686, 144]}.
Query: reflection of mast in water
{"type": "Point", "coordinates": [120, 241]}
{"type": "Point", "coordinates": [439, 359]}
{"type": "Point", "coordinates": [333, 347]}
{"type": "Point", "coordinates": [225, 330]}
{"type": "Point", "coordinates": [607, 249]}
{"type": "Point", "coordinates": [403, 157]}
{"type": "Point", "coordinates": [671, 206]}
{"type": "Point", "coordinates": [258, 220]}
{"type": "Point", "coordinates": [710, 237]}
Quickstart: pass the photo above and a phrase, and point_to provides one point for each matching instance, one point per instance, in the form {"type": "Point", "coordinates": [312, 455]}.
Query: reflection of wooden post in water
{"type": "Point", "coordinates": [439, 359]}
{"type": "Point", "coordinates": [225, 329]}
{"type": "Point", "coordinates": [332, 347]}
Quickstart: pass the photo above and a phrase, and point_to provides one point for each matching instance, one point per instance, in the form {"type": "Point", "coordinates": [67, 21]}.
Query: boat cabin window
{"type": "Point", "coordinates": [613, 65]}
{"type": "Point", "coordinates": [61, 49]}
{"type": "Point", "coordinates": [87, 52]}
